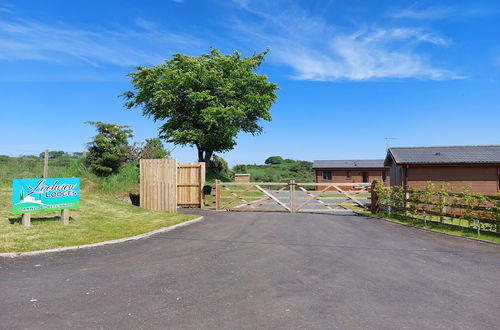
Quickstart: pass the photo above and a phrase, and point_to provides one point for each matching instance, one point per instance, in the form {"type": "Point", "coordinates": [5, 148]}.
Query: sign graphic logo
{"type": "Point", "coordinates": [42, 195]}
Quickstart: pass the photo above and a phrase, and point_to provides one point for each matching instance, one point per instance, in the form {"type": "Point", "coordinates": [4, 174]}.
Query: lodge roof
{"type": "Point", "coordinates": [444, 155]}
{"type": "Point", "coordinates": [362, 163]}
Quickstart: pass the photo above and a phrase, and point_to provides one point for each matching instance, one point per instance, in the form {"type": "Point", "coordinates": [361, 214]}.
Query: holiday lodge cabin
{"type": "Point", "coordinates": [350, 171]}
{"type": "Point", "coordinates": [458, 166]}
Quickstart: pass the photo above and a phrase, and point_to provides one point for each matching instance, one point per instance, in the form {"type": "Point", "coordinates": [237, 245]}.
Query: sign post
{"type": "Point", "coordinates": [44, 195]}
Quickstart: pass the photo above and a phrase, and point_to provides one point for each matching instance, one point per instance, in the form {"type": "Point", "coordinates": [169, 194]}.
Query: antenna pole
{"type": "Point", "coordinates": [387, 142]}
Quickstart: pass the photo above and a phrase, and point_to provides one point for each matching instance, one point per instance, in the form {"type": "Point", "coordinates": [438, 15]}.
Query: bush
{"type": "Point", "coordinates": [240, 169]}
{"type": "Point", "coordinates": [219, 165]}
{"type": "Point", "coordinates": [154, 149]}
{"type": "Point", "coordinates": [108, 149]}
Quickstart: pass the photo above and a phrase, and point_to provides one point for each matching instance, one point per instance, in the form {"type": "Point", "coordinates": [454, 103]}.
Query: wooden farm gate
{"type": "Point", "coordinates": [292, 197]}
{"type": "Point", "coordinates": [166, 184]}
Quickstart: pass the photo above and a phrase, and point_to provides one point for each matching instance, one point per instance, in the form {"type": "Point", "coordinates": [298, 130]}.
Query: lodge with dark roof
{"type": "Point", "coordinates": [350, 171]}
{"type": "Point", "coordinates": [457, 166]}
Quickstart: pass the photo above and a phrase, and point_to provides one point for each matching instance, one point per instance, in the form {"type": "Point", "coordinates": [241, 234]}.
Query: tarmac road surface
{"type": "Point", "coordinates": [261, 270]}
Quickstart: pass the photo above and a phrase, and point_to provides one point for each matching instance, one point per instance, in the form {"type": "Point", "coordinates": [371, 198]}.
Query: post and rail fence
{"type": "Point", "coordinates": [465, 209]}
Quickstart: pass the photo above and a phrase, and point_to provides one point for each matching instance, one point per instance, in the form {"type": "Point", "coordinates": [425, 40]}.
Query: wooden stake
{"type": "Point", "coordinates": [65, 217]}
{"type": "Point", "coordinates": [26, 220]}
{"type": "Point", "coordinates": [374, 207]}
{"type": "Point", "coordinates": [46, 164]}
{"type": "Point", "coordinates": [217, 194]}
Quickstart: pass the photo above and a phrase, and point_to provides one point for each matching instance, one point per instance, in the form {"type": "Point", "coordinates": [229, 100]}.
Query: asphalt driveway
{"type": "Point", "coordinates": [238, 270]}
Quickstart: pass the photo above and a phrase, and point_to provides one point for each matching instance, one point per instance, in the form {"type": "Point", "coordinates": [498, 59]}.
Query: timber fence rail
{"type": "Point", "coordinates": [466, 210]}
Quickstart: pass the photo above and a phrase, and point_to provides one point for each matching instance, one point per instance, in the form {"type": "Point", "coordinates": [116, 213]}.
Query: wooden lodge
{"type": "Point", "coordinates": [351, 171]}
{"type": "Point", "coordinates": [458, 166]}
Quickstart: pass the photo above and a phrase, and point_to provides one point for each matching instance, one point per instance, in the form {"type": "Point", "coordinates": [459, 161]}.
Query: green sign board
{"type": "Point", "coordinates": [42, 195]}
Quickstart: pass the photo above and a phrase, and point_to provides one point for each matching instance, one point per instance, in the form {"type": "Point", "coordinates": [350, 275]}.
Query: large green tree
{"type": "Point", "coordinates": [204, 101]}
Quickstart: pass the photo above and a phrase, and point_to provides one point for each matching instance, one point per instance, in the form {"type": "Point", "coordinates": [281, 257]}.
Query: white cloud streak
{"type": "Point", "coordinates": [319, 51]}
{"type": "Point", "coordinates": [141, 44]}
{"type": "Point", "coordinates": [423, 13]}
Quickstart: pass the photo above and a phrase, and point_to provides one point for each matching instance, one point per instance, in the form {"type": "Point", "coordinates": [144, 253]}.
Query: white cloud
{"type": "Point", "coordinates": [456, 12]}
{"type": "Point", "coordinates": [316, 50]}
{"type": "Point", "coordinates": [140, 44]}
{"type": "Point", "coordinates": [423, 13]}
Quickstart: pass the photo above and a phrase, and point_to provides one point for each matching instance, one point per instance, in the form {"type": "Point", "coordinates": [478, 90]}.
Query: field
{"type": "Point", "coordinates": [300, 171]}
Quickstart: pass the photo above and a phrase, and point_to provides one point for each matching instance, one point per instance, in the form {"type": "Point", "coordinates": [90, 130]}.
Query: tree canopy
{"type": "Point", "coordinates": [204, 101]}
{"type": "Point", "coordinates": [274, 160]}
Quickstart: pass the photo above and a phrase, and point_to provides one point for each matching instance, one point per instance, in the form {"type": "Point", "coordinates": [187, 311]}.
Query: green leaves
{"type": "Point", "coordinates": [206, 100]}
{"type": "Point", "coordinates": [107, 150]}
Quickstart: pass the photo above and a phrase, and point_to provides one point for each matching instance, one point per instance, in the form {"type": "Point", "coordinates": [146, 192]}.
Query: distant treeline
{"type": "Point", "coordinates": [278, 169]}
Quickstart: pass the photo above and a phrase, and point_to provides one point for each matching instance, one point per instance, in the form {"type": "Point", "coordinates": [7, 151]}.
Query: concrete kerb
{"type": "Point", "coordinates": [427, 230]}
{"type": "Point", "coordinates": [114, 241]}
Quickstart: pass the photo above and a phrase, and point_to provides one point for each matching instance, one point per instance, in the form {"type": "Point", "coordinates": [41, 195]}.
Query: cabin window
{"type": "Point", "coordinates": [349, 174]}
{"type": "Point", "coordinates": [384, 176]}
{"type": "Point", "coordinates": [327, 175]}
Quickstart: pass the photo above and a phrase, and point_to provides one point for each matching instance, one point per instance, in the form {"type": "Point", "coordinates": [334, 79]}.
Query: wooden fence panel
{"type": "Point", "coordinates": [190, 182]}
{"type": "Point", "coordinates": [158, 188]}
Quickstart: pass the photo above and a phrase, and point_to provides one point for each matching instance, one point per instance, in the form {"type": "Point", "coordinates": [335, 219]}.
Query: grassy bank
{"type": "Point", "coordinates": [436, 226]}
{"type": "Point", "coordinates": [99, 218]}
{"type": "Point", "coordinates": [31, 167]}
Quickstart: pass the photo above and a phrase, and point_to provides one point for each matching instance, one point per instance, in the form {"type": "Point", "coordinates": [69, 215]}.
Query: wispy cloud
{"type": "Point", "coordinates": [457, 12]}
{"type": "Point", "coordinates": [414, 12]}
{"type": "Point", "coordinates": [140, 44]}
{"type": "Point", "coordinates": [316, 50]}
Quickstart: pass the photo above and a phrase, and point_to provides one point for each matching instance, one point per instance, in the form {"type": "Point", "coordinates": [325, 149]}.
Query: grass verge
{"type": "Point", "coordinates": [435, 226]}
{"type": "Point", "coordinates": [99, 218]}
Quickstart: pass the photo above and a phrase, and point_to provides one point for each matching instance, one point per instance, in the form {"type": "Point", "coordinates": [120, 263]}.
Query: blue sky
{"type": "Point", "coordinates": [351, 72]}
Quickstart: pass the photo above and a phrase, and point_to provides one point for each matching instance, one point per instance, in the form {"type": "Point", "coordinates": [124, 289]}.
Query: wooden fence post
{"type": "Point", "coordinates": [406, 197]}
{"type": "Point", "coordinates": [291, 185]}
{"type": "Point", "coordinates": [217, 194]}
{"type": "Point", "coordinates": [442, 210]}
{"type": "Point", "coordinates": [65, 217]}
{"type": "Point", "coordinates": [46, 164]}
{"type": "Point", "coordinates": [374, 206]}
{"type": "Point", "coordinates": [26, 220]}
{"type": "Point", "coordinates": [498, 221]}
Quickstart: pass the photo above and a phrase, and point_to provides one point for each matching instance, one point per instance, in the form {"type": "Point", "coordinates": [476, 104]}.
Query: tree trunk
{"type": "Point", "coordinates": [200, 154]}
{"type": "Point", "coordinates": [208, 156]}
{"type": "Point", "coordinates": [204, 156]}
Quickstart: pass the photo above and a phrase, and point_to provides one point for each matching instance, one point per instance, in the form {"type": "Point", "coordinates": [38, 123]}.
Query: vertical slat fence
{"type": "Point", "coordinates": [158, 188]}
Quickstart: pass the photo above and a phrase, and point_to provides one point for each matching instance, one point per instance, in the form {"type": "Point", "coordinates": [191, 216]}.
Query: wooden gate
{"type": "Point", "coordinates": [166, 184]}
{"type": "Point", "coordinates": [292, 197]}
{"type": "Point", "coordinates": [190, 182]}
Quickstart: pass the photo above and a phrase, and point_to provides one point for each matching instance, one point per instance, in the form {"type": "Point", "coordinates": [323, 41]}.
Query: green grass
{"type": "Point", "coordinates": [99, 218]}
{"type": "Point", "coordinates": [358, 196]}
{"type": "Point", "coordinates": [432, 225]}
{"type": "Point", "coordinates": [300, 171]}
{"type": "Point", "coordinates": [211, 176]}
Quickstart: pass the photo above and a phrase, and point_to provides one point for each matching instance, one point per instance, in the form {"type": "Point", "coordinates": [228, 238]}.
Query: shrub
{"type": "Point", "coordinates": [154, 149]}
{"type": "Point", "coordinates": [107, 150]}
{"type": "Point", "coordinates": [219, 165]}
